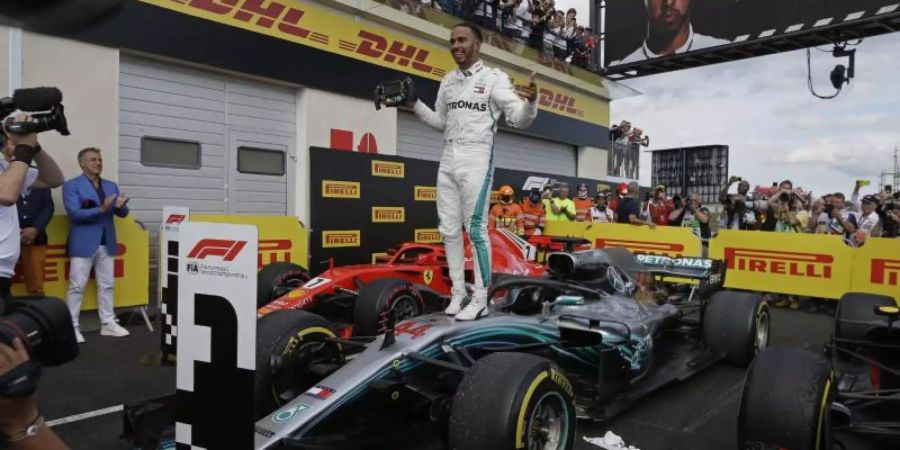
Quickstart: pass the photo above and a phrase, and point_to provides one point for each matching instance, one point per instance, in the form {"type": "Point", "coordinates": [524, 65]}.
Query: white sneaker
{"type": "Point", "coordinates": [456, 300]}
{"type": "Point", "coordinates": [477, 307]}
{"type": "Point", "coordinates": [113, 329]}
{"type": "Point", "coordinates": [78, 336]}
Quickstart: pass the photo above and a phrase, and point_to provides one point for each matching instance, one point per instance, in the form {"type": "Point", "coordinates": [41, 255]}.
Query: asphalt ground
{"type": "Point", "coordinates": [698, 414]}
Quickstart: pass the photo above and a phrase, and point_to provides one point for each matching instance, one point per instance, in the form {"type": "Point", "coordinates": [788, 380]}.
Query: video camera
{"type": "Point", "coordinates": [35, 99]}
{"type": "Point", "coordinates": [395, 93]}
{"type": "Point", "coordinates": [44, 325]}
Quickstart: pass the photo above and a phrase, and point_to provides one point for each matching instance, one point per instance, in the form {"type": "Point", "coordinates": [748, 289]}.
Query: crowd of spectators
{"type": "Point", "coordinates": [782, 208]}
{"type": "Point", "coordinates": [537, 22]}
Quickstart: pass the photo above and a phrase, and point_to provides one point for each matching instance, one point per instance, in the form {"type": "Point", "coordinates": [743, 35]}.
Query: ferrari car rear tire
{"type": "Point", "coordinates": [292, 355]}
{"type": "Point", "coordinates": [736, 325]}
{"type": "Point", "coordinates": [277, 279]}
{"type": "Point", "coordinates": [852, 309]}
{"type": "Point", "coordinates": [380, 296]}
{"type": "Point", "coordinates": [785, 401]}
{"type": "Point", "coordinates": [513, 400]}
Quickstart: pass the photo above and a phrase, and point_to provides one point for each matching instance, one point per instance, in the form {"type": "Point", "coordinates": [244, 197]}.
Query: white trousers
{"type": "Point", "coordinates": [80, 271]}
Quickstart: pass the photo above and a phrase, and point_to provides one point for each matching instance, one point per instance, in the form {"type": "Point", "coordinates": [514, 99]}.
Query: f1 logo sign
{"type": "Point", "coordinates": [175, 219]}
{"type": "Point", "coordinates": [227, 249]}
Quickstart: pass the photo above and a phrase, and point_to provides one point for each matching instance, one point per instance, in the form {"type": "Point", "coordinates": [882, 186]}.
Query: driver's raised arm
{"type": "Point", "coordinates": [436, 118]}
{"type": "Point", "coordinates": [519, 113]}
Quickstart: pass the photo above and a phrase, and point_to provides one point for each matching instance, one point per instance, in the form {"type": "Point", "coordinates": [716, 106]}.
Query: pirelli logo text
{"type": "Point", "coordinates": [388, 169]}
{"type": "Point", "coordinates": [340, 189]}
{"type": "Point", "coordinates": [273, 250]}
{"type": "Point", "coordinates": [388, 214]}
{"type": "Point", "coordinates": [886, 271]}
{"type": "Point", "coordinates": [380, 257]}
{"type": "Point", "coordinates": [340, 238]}
{"type": "Point", "coordinates": [795, 264]}
{"type": "Point", "coordinates": [425, 193]}
{"type": "Point", "coordinates": [428, 235]}
{"type": "Point", "coordinates": [644, 247]}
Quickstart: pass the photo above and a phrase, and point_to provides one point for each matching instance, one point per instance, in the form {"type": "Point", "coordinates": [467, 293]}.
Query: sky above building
{"type": "Point", "coordinates": [775, 128]}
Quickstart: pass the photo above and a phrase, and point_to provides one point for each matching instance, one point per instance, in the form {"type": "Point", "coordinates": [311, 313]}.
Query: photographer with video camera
{"type": "Point", "coordinates": [21, 425]}
{"type": "Point", "coordinates": [17, 176]}
{"type": "Point", "coordinates": [741, 212]}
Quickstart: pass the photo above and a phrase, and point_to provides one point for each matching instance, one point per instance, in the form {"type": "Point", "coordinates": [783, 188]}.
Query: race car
{"type": "Point", "coordinates": [353, 296]}
{"type": "Point", "coordinates": [591, 337]}
{"type": "Point", "coordinates": [845, 397]}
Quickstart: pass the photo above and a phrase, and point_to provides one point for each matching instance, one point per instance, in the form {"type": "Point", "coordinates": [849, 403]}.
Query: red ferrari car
{"type": "Point", "coordinates": [412, 280]}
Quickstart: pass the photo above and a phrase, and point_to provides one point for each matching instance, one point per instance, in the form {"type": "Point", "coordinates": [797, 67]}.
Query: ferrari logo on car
{"type": "Point", "coordinates": [427, 276]}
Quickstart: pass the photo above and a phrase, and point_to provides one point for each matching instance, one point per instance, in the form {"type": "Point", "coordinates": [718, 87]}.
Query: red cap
{"type": "Point", "coordinates": [623, 188]}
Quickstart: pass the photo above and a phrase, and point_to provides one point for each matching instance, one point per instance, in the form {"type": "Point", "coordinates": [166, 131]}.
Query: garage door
{"type": "Point", "coordinates": [511, 150]}
{"type": "Point", "coordinates": [193, 138]}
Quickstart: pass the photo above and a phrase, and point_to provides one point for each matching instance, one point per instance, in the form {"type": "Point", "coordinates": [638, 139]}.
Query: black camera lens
{"type": "Point", "coordinates": [44, 325]}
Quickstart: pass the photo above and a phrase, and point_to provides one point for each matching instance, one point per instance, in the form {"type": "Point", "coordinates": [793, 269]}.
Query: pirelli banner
{"type": "Point", "coordinates": [363, 204]}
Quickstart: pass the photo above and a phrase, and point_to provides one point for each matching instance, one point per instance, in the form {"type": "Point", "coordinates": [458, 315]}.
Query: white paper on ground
{"type": "Point", "coordinates": [610, 441]}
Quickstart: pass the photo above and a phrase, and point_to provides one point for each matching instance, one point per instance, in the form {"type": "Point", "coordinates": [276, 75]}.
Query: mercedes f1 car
{"type": "Point", "coordinates": [593, 335]}
{"type": "Point", "coordinates": [844, 398]}
{"type": "Point", "coordinates": [356, 295]}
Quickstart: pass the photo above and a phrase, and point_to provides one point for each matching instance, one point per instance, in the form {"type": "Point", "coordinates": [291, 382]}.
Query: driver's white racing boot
{"type": "Point", "coordinates": [458, 296]}
{"type": "Point", "coordinates": [477, 307]}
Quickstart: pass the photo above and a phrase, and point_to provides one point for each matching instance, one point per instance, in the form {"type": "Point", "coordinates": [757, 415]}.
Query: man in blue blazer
{"type": "Point", "coordinates": [91, 202]}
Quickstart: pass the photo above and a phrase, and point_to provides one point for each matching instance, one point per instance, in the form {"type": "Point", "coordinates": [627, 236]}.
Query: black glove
{"type": "Point", "coordinates": [25, 153]}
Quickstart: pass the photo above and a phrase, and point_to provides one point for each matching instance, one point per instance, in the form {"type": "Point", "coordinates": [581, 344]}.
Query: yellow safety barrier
{"type": "Point", "coordinates": [281, 238]}
{"type": "Point", "coordinates": [131, 266]}
{"type": "Point", "coordinates": [812, 265]}
{"type": "Point", "coordinates": [876, 267]}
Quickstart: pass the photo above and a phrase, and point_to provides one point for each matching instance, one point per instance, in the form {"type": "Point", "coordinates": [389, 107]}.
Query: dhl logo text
{"type": "Point", "coordinates": [650, 248]}
{"type": "Point", "coordinates": [425, 193]}
{"type": "Point", "coordinates": [56, 267]}
{"type": "Point", "coordinates": [227, 249]}
{"type": "Point", "coordinates": [343, 238]}
{"type": "Point", "coordinates": [810, 265]}
{"type": "Point", "coordinates": [565, 103]}
{"type": "Point", "coordinates": [388, 169]}
{"type": "Point", "coordinates": [340, 189]}
{"type": "Point", "coordinates": [375, 46]}
{"type": "Point", "coordinates": [886, 271]}
{"type": "Point", "coordinates": [273, 250]}
{"type": "Point", "coordinates": [261, 13]}
{"type": "Point", "coordinates": [428, 236]}
{"type": "Point", "coordinates": [384, 214]}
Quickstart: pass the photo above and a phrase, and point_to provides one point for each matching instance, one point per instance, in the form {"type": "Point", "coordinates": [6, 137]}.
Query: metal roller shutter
{"type": "Point", "coordinates": [223, 116]}
{"type": "Point", "coordinates": [511, 150]}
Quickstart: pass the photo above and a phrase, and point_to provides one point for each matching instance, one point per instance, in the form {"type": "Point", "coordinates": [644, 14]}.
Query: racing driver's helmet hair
{"type": "Point", "coordinates": [506, 193]}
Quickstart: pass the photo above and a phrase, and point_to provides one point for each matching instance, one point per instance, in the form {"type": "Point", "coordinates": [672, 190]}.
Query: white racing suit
{"type": "Point", "coordinates": [467, 108]}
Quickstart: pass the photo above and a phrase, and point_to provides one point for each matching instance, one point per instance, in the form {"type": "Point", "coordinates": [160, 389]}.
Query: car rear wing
{"type": "Point", "coordinates": [710, 271]}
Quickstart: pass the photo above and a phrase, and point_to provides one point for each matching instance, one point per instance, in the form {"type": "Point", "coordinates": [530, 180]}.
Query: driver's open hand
{"type": "Point", "coordinates": [528, 92]}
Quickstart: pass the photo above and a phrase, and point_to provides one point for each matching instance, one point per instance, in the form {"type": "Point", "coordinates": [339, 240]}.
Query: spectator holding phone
{"type": "Point", "coordinates": [91, 203]}
{"type": "Point", "coordinates": [692, 214]}
{"type": "Point", "coordinates": [560, 207]}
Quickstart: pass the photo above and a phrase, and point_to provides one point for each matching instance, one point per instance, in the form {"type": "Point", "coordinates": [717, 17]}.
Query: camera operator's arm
{"type": "Point", "coordinates": [675, 214]}
{"type": "Point", "coordinates": [702, 214]}
{"type": "Point", "coordinates": [12, 180]}
{"type": "Point", "coordinates": [49, 174]}
{"type": "Point", "coordinates": [847, 225]}
{"type": "Point", "coordinates": [723, 193]}
{"type": "Point", "coordinates": [20, 421]}
{"type": "Point", "coordinates": [817, 209]}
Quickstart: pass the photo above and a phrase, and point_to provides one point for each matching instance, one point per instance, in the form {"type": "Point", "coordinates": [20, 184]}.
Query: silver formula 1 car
{"type": "Point", "coordinates": [599, 331]}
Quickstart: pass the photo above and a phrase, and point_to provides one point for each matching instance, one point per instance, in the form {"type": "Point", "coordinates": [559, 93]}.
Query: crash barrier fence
{"type": "Point", "coordinates": [814, 265]}
{"type": "Point", "coordinates": [131, 267]}
{"type": "Point", "coordinates": [280, 238]}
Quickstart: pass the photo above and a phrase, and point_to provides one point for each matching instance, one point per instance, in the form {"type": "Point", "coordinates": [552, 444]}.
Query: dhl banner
{"type": "Point", "coordinates": [281, 238]}
{"type": "Point", "coordinates": [669, 241]}
{"type": "Point", "coordinates": [800, 264]}
{"type": "Point", "coordinates": [876, 267]}
{"type": "Point", "coordinates": [310, 24]}
{"type": "Point", "coordinates": [131, 268]}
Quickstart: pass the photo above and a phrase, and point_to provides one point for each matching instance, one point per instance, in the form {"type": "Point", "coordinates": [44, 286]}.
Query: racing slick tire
{"type": "Point", "coordinates": [785, 401]}
{"type": "Point", "coordinates": [379, 296]}
{"type": "Point", "coordinates": [512, 400]}
{"type": "Point", "coordinates": [852, 309]}
{"type": "Point", "coordinates": [291, 353]}
{"type": "Point", "coordinates": [736, 325]}
{"type": "Point", "coordinates": [277, 279]}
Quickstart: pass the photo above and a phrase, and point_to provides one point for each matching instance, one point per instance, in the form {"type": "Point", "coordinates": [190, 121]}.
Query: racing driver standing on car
{"type": "Point", "coordinates": [469, 102]}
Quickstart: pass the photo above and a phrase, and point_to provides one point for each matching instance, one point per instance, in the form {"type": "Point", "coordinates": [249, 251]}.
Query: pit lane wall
{"type": "Point", "coordinates": [363, 204]}
{"type": "Point", "coordinates": [812, 265]}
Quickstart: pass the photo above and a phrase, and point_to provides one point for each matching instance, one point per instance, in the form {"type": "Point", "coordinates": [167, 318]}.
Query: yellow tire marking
{"type": "Point", "coordinates": [822, 413]}
{"type": "Point", "coordinates": [520, 427]}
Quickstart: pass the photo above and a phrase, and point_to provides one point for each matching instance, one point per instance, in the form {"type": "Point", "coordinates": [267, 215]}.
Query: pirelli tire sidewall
{"type": "Point", "coordinates": [275, 275]}
{"type": "Point", "coordinates": [730, 325]}
{"type": "Point", "coordinates": [378, 297]}
{"type": "Point", "coordinates": [496, 401]}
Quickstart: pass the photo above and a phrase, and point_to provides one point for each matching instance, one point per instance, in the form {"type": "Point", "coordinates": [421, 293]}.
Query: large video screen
{"type": "Point", "coordinates": [645, 30]}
